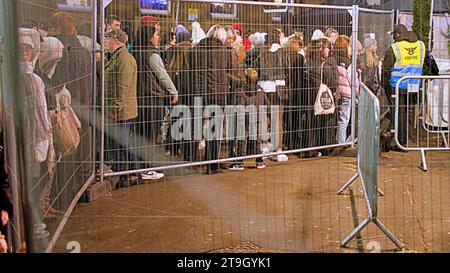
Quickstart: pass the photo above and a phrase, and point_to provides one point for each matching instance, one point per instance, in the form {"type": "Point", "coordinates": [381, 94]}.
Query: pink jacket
{"type": "Point", "coordinates": [345, 82]}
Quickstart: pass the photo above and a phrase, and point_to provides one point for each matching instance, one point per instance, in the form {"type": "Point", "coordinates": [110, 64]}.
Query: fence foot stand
{"type": "Point", "coordinates": [423, 165]}
{"type": "Point", "coordinates": [355, 232]}
{"type": "Point", "coordinates": [349, 182]}
{"type": "Point", "coordinates": [380, 192]}
{"type": "Point", "coordinates": [389, 234]}
{"type": "Point", "coordinates": [445, 141]}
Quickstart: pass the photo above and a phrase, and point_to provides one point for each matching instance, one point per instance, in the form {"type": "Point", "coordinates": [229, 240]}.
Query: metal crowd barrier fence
{"type": "Point", "coordinates": [368, 156]}
{"type": "Point", "coordinates": [421, 116]}
{"type": "Point", "coordinates": [49, 161]}
{"type": "Point", "coordinates": [292, 123]}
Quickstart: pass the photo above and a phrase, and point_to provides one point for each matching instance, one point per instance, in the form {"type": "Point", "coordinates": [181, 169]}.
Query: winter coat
{"type": "Point", "coordinates": [179, 72]}
{"type": "Point", "coordinates": [345, 76]}
{"type": "Point", "coordinates": [74, 71]}
{"type": "Point", "coordinates": [120, 85]}
{"type": "Point", "coordinates": [272, 65]}
{"type": "Point", "coordinates": [312, 78]}
{"type": "Point", "coordinates": [210, 61]}
{"type": "Point", "coordinates": [236, 75]}
{"type": "Point", "coordinates": [36, 114]}
{"type": "Point", "coordinates": [294, 76]}
{"type": "Point", "coordinates": [370, 76]}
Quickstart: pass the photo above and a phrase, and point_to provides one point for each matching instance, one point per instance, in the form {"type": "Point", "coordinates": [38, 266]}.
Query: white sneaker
{"type": "Point", "coordinates": [152, 175]}
{"type": "Point", "coordinates": [260, 166]}
{"type": "Point", "coordinates": [236, 167]}
{"type": "Point", "coordinates": [282, 158]}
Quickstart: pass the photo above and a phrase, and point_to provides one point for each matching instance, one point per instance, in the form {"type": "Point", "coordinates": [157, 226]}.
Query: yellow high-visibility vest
{"type": "Point", "coordinates": [409, 60]}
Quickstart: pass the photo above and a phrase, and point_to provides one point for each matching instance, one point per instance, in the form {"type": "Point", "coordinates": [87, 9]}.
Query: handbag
{"type": "Point", "coordinates": [324, 104]}
{"type": "Point", "coordinates": [65, 125]}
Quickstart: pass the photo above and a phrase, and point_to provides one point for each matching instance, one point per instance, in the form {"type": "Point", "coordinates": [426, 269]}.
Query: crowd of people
{"type": "Point", "coordinates": [148, 73]}
{"type": "Point", "coordinates": [225, 66]}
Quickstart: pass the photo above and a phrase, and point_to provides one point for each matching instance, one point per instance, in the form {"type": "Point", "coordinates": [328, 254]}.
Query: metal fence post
{"type": "Point", "coordinates": [94, 86]}
{"type": "Point", "coordinates": [355, 26]}
{"type": "Point", "coordinates": [430, 35]}
{"type": "Point", "coordinates": [102, 90]}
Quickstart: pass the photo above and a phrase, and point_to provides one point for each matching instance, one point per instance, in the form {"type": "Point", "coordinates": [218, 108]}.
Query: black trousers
{"type": "Point", "coordinates": [402, 112]}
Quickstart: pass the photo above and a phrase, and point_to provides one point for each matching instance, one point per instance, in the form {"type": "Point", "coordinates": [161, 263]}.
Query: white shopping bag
{"type": "Point", "coordinates": [324, 104]}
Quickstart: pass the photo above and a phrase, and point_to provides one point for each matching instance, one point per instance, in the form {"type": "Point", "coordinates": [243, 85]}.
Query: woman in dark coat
{"type": "Point", "coordinates": [318, 130]}
{"type": "Point", "coordinates": [210, 61]}
{"type": "Point", "coordinates": [294, 81]}
{"type": "Point", "coordinates": [179, 71]}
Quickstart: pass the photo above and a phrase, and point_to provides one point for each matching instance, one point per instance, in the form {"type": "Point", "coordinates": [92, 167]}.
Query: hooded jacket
{"type": "Point", "coordinates": [36, 112]}
{"type": "Point", "coordinates": [52, 51]}
{"type": "Point", "coordinates": [74, 71]}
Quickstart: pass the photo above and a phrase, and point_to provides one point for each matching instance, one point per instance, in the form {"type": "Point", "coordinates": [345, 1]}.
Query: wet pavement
{"type": "Point", "coordinates": [287, 207]}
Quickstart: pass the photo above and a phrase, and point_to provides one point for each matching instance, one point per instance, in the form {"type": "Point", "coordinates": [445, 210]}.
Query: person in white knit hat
{"type": "Point", "coordinates": [198, 33]}
{"type": "Point", "coordinates": [36, 113]}
{"type": "Point", "coordinates": [318, 35]}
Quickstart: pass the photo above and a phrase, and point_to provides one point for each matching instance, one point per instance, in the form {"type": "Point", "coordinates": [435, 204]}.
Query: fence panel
{"type": "Point", "coordinates": [230, 107]}
{"type": "Point", "coordinates": [421, 116]}
{"type": "Point", "coordinates": [278, 121]}
{"type": "Point", "coordinates": [56, 96]}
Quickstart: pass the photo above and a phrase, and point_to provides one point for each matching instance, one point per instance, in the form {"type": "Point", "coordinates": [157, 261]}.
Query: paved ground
{"type": "Point", "coordinates": [288, 207]}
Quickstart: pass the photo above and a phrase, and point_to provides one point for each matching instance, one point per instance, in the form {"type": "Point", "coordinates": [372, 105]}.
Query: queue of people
{"type": "Point", "coordinates": [146, 77]}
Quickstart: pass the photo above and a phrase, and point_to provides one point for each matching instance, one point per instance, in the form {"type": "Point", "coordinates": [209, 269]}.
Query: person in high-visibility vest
{"type": "Point", "coordinates": [407, 56]}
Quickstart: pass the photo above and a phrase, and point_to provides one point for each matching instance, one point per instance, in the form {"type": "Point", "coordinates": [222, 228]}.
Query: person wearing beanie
{"type": "Point", "coordinates": [399, 31]}
{"type": "Point", "coordinates": [257, 40]}
{"type": "Point", "coordinates": [182, 34]}
{"type": "Point", "coordinates": [52, 53]}
{"type": "Point", "coordinates": [318, 35]}
{"type": "Point", "coordinates": [37, 116]}
{"type": "Point", "coordinates": [407, 56]}
{"type": "Point", "coordinates": [150, 21]}
{"type": "Point", "coordinates": [369, 65]}
{"type": "Point", "coordinates": [240, 31]}
{"type": "Point", "coordinates": [368, 42]}
{"type": "Point", "coordinates": [198, 33]}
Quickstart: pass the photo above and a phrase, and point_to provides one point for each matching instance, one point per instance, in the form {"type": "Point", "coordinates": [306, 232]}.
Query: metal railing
{"type": "Point", "coordinates": [420, 130]}
{"type": "Point", "coordinates": [368, 156]}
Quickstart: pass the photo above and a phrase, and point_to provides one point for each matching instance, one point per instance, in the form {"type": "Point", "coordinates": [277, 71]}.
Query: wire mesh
{"type": "Point", "coordinates": [56, 41]}
{"type": "Point", "coordinates": [219, 101]}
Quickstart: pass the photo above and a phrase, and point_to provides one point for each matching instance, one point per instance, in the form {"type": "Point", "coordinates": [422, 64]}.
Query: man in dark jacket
{"type": "Point", "coordinates": [406, 57]}
{"type": "Point", "coordinates": [210, 61]}
{"type": "Point", "coordinates": [74, 71]}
